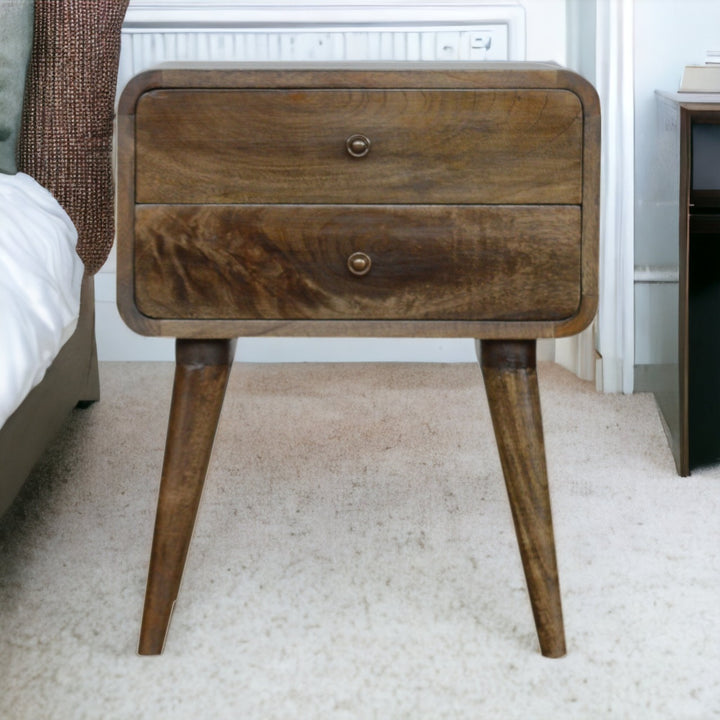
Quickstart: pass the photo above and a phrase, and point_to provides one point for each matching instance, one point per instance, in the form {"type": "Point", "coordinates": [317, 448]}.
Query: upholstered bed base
{"type": "Point", "coordinates": [65, 145]}
{"type": "Point", "coordinates": [71, 379]}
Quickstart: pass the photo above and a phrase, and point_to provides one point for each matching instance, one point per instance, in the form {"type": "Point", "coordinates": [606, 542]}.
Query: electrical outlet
{"type": "Point", "coordinates": [481, 40]}
{"type": "Point", "coordinates": [481, 46]}
{"type": "Point", "coordinates": [446, 45]}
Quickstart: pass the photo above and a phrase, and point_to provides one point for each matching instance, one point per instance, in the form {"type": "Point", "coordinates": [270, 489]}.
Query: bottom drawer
{"type": "Point", "coordinates": [421, 262]}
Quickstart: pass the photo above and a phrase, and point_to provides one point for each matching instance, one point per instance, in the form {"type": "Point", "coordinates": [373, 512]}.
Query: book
{"type": "Point", "coordinates": [701, 78]}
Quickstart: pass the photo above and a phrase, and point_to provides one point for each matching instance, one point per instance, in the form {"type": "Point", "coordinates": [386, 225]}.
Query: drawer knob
{"type": "Point", "coordinates": [359, 263]}
{"type": "Point", "coordinates": [358, 145]}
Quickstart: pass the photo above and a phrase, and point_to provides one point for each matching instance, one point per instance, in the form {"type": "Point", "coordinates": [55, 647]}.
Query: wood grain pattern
{"type": "Point", "coordinates": [682, 457]}
{"type": "Point", "coordinates": [513, 395]}
{"type": "Point", "coordinates": [428, 262]}
{"type": "Point", "coordinates": [352, 75]}
{"type": "Point", "coordinates": [477, 206]}
{"type": "Point", "coordinates": [201, 375]}
{"type": "Point", "coordinates": [223, 79]}
{"type": "Point", "coordinates": [437, 146]}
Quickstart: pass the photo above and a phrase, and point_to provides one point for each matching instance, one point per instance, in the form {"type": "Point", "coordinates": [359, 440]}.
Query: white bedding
{"type": "Point", "coordinates": [40, 277]}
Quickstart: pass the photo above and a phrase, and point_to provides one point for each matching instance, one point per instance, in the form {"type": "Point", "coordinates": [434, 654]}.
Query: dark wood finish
{"type": "Point", "coordinates": [703, 391]}
{"type": "Point", "coordinates": [288, 146]}
{"type": "Point", "coordinates": [699, 388]}
{"type": "Point", "coordinates": [273, 262]}
{"type": "Point", "coordinates": [705, 199]}
{"type": "Point", "coordinates": [687, 391]}
{"type": "Point", "coordinates": [512, 389]}
{"type": "Point", "coordinates": [682, 460]}
{"type": "Point", "coordinates": [430, 82]}
{"type": "Point", "coordinates": [201, 375]}
{"type": "Point", "coordinates": [473, 212]}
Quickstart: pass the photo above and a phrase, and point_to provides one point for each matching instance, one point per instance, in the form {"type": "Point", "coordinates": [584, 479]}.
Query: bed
{"type": "Point", "coordinates": [58, 71]}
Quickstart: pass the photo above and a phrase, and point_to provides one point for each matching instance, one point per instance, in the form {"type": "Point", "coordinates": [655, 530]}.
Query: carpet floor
{"type": "Point", "coordinates": [354, 557]}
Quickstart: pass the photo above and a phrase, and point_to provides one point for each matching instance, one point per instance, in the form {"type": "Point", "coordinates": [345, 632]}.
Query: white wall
{"type": "Point", "coordinates": [546, 29]}
{"type": "Point", "coordinates": [669, 34]}
{"type": "Point", "coordinates": [546, 34]}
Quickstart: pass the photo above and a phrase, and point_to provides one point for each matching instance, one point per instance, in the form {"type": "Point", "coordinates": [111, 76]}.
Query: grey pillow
{"type": "Point", "coordinates": [16, 34]}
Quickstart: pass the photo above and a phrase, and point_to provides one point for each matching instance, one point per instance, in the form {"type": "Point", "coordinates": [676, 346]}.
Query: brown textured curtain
{"type": "Point", "coordinates": [66, 137]}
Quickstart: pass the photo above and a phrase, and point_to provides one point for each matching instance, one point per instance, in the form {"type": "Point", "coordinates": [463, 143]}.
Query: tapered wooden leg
{"type": "Point", "coordinates": [512, 389]}
{"type": "Point", "coordinates": [201, 375]}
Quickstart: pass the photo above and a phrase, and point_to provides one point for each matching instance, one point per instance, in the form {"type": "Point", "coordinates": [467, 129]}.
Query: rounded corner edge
{"type": "Point", "coordinates": [137, 86]}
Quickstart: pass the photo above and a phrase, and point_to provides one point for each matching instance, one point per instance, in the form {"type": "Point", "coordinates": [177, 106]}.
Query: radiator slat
{"type": "Point", "coordinates": [144, 47]}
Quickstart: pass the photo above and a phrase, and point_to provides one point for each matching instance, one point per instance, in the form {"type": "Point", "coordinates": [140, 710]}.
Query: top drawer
{"type": "Point", "coordinates": [289, 146]}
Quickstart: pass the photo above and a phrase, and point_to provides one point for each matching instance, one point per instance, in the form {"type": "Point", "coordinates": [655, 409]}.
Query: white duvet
{"type": "Point", "coordinates": [40, 277]}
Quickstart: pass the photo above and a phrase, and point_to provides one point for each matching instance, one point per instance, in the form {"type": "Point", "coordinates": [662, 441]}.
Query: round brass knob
{"type": "Point", "coordinates": [359, 263]}
{"type": "Point", "coordinates": [358, 145]}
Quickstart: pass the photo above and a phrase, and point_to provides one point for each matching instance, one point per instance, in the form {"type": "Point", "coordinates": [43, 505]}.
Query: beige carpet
{"type": "Point", "coordinates": [354, 557]}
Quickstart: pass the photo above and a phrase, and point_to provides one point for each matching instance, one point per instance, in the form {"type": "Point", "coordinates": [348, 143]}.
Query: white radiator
{"type": "Point", "coordinates": [160, 32]}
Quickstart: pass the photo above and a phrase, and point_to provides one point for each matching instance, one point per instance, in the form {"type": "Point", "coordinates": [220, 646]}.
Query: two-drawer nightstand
{"type": "Point", "coordinates": [406, 200]}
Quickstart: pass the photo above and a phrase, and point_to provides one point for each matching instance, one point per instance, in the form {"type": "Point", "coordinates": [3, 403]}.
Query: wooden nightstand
{"type": "Point", "coordinates": [406, 200]}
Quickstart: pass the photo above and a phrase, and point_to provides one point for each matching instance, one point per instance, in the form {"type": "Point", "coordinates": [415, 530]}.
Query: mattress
{"type": "Point", "coordinates": [40, 278]}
